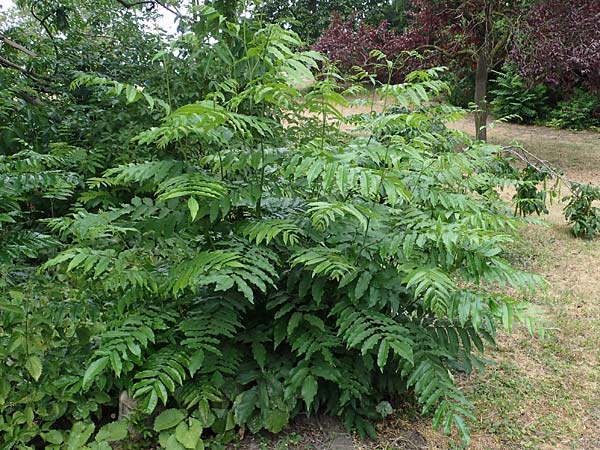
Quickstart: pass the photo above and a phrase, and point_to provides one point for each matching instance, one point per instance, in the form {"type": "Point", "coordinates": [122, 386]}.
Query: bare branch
{"type": "Point", "coordinates": [171, 10]}
{"type": "Point", "coordinates": [539, 164]}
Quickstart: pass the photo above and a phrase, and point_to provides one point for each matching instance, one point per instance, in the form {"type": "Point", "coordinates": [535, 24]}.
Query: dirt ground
{"type": "Point", "coordinates": [575, 152]}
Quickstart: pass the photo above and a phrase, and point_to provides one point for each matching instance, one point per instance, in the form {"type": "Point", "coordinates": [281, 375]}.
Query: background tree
{"type": "Point", "coordinates": [41, 67]}
{"type": "Point", "coordinates": [475, 33]}
{"type": "Point", "coordinates": [309, 18]}
{"type": "Point", "coordinates": [558, 44]}
{"type": "Point", "coordinates": [350, 46]}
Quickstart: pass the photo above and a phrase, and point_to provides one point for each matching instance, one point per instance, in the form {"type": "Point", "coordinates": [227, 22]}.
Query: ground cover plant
{"type": "Point", "coordinates": [232, 258]}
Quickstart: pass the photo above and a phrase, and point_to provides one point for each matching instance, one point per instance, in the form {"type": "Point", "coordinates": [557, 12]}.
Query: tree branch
{"type": "Point", "coordinates": [16, 46]}
{"type": "Point", "coordinates": [152, 4]}
{"type": "Point", "coordinates": [11, 65]}
{"type": "Point", "coordinates": [173, 11]}
{"type": "Point", "coordinates": [465, 51]}
{"type": "Point", "coordinates": [526, 156]}
{"type": "Point", "coordinates": [500, 46]}
{"type": "Point", "coordinates": [29, 99]}
{"type": "Point", "coordinates": [47, 30]}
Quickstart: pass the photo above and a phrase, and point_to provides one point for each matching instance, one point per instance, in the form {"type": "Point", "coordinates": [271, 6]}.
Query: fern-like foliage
{"type": "Point", "coordinates": [255, 260]}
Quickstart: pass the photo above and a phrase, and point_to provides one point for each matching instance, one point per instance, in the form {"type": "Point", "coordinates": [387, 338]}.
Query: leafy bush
{"type": "Point", "coordinates": [580, 211]}
{"type": "Point", "coordinates": [512, 98]}
{"type": "Point", "coordinates": [236, 272]}
{"type": "Point", "coordinates": [530, 199]}
{"type": "Point", "coordinates": [558, 44]}
{"type": "Point", "coordinates": [579, 112]}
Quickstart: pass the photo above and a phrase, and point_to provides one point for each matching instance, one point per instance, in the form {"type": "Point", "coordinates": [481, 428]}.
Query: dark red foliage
{"type": "Point", "coordinates": [349, 46]}
{"type": "Point", "coordinates": [452, 27]}
{"type": "Point", "coordinates": [433, 21]}
{"type": "Point", "coordinates": [559, 44]}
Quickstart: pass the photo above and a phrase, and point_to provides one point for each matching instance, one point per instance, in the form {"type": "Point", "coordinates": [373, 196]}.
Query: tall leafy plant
{"type": "Point", "coordinates": [581, 212]}
{"type": "Point", "coordinates": [514, 99]}
{"type": "Point", "coordinates": [250, 265]}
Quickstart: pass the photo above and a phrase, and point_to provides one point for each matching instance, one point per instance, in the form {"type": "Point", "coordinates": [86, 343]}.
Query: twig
{"type": "Point", "coordinates": [515, 151]}
{"type": "Point", "coordinates": [405, 440]}
{"type": "Point", "coordinates": [172, 10]}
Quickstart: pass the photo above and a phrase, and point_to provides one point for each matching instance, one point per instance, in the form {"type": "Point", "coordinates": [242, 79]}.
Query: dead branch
{"type": "Point", "coordinates": [539, 164]}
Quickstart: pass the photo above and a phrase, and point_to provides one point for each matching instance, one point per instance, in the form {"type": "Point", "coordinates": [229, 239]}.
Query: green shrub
{"type": "Point", "coordinates": [462, 89]}
{"type": "Point", "coordinates": [579, 112]}
{"type": "Point", "coordinates": [512, 98]}
{"type": "Point", "coordinates": [580, 211]}
{"type": "Point", "coordinates": [241, 272]}
{"type": "Point", "coordinates": [529, 198]}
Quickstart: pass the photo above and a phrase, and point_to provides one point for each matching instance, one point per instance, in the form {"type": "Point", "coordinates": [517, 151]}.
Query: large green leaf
{"type": "Point", "coordinates": [34, 367]}
{"type": "Point", "coordinates": [79, 435]}
{"type": "Point", "coordinates": [310, 387]}
{"type": "Point", "coordinates": [113, 431]}
{"type": "Point", "coordinates": [93, 370]}
{"type": "Point", "coordinates": [169, 418]}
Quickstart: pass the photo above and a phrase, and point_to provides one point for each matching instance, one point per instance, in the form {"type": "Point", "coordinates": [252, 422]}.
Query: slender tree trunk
{"type": "Point", "coordinates": [481, 82]}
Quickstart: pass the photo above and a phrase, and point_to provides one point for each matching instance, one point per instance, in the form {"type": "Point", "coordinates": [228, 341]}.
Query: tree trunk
{"type": "Point", "coordinates": [481, 82]}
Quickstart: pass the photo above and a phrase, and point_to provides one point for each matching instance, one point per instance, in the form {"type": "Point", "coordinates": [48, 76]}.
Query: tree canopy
{"type": "Point", "coordinates": [558, 43]}
{"type": "Point", "coordinates": [309, 18]}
